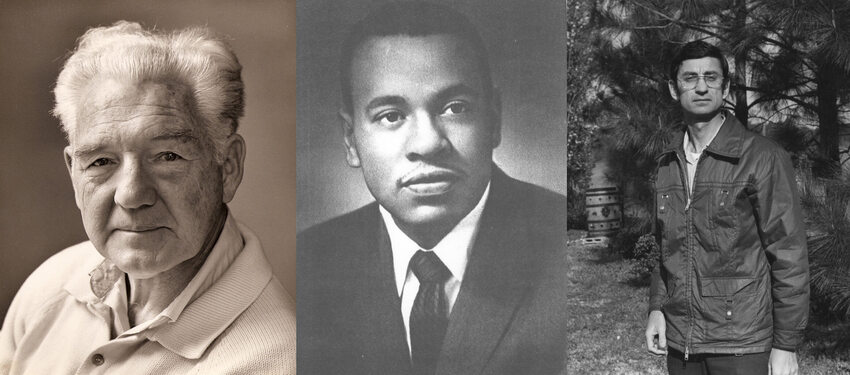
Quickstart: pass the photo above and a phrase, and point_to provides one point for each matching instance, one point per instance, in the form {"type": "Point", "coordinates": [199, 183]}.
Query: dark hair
{"type": "Point", "coordinates": [410, 18]}
{"type": "Point", "coordinates": [697, 50]}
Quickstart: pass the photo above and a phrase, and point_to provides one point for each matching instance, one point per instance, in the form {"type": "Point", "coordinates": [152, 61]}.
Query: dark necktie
{"type": "Point", "coordinates": [429, 317]}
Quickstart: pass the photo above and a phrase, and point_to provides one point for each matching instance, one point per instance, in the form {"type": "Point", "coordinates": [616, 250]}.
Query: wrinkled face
{"type": "Point", "coordinates": [701, 101]}
{"type": "Point", "coordinates": [422, 128]}
{"type": "Point", "coordinates": [147, 187]}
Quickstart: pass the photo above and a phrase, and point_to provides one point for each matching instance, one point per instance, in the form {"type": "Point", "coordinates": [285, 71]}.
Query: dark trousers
{"type": "Point", "coordinates": [716, 364]}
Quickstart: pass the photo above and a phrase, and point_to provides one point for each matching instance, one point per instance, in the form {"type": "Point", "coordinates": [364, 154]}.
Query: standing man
{"type": "Point", "coordinates": [169, 281]}
{"type": "Point", "coordinates": [731, 292]}
{"type": "Point", "coordinates": [456, 268]}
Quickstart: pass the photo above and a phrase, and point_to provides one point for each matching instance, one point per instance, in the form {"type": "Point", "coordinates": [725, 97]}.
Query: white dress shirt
{"type": "Point", "coordinates": [453, 250]}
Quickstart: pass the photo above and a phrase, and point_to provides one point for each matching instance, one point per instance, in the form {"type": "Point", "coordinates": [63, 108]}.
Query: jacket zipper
{"type": "Point", "coordinates": [689, 243]}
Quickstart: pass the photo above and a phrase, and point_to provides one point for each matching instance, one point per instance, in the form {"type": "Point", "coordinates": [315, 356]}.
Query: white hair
{"type": "Point", "coordinates": [128, 53]}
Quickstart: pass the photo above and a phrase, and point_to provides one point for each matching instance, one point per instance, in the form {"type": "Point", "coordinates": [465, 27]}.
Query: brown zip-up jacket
{"type": "Point", "coordinates": [734, 274]}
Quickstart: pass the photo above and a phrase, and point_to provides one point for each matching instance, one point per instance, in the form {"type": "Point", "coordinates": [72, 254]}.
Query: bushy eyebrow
{"type": "Point", "coordinates": [180, 135]}
{"type": "Point", "coordinates": [83, 151]}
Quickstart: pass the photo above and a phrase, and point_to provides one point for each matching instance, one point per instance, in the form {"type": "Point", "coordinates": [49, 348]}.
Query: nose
{"type": "Point", "coordinates": [701, 86]}
{"type": "Point", "coordinates": [427, 137]}
{"type": "Point", "coordinates": [134, 187]}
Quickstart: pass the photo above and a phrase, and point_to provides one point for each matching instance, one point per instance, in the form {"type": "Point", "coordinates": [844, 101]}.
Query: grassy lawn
{"type": "Point", "coordinates": [609, 313]}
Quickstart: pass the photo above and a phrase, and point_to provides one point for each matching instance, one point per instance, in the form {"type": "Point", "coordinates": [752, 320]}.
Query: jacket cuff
{"type": "Point", "coordinates": [787, 339]}
{"type": "Point", "coordinates": [787, 349]}
{"type": "Point", "coordinates": [655, 303]}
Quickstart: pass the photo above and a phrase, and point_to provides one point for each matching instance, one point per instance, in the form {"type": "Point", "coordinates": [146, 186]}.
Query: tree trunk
{"type": "Point", "coordinates": [827, 78]}
{"type": "Point", "coordinates": [740, 58]}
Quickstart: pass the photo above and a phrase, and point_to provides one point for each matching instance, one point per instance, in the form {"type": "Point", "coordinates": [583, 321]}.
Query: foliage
{"type": "Point", "coordinates": [579, 165]}
{"type": "Point", "coordinates": [827, 205]}
{"type": "Point", "coordinates": [580, 133]}
{"type": "Point", "coordinates": [646, 258]}
{"type": "Point", "coordinates": [624, 241]}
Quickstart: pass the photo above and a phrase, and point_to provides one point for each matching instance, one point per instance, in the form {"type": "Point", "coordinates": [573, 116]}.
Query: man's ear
{"type": "Point", "coordinates": [726, 86]}
{"type": "Point", "coordinates": [674, 90]}
{"type": "Point", "coordinates": [69, 158]}
{"type": "Point", "coordinates": [233, 166]}
{"type": "Point", "coordinates": [351, 155]}
{"type": "Point", "coordinates": [68, 155]}
{"type": "Point", "coordinates": [496, 113]}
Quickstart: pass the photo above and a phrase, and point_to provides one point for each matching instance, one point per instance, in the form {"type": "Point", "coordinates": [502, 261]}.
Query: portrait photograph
{"type": "Point", "coordinates": [160, 134]}
{"type": "Point", "coordinates": [431, 214]}
{"type": "Point", "coordinates": [708, 184]}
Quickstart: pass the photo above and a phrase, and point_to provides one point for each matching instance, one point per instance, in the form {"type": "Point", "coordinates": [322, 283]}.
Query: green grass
{"type": "Point", "coordinates": [609, 317]}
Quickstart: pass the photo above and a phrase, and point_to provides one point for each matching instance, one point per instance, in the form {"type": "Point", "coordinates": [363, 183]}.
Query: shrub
{"type": "Point", "coordinates": [624, 241]}
{"type": "Point", "coordinates": [646, 255]}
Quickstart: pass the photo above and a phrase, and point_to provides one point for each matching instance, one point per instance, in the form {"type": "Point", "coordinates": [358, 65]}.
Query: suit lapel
{"type": "Point", "coordinates": [498, 276]}
{"type": "Point", "coordinates": [378, 325]}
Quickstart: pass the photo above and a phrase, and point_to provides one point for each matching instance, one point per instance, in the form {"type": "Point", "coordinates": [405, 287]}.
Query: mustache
{"type": "Point", "coordinates": [424, 173]}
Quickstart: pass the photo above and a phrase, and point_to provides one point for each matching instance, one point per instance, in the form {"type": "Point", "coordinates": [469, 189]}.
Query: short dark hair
{"type": "Point", "coordinates": [697, 50]}
{"type": "Point", "coordinates": [410, 18]}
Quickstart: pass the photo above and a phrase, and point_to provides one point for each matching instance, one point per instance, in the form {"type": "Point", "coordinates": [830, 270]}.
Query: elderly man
{"type": "Point", "coordinates": [169, 282]}
{"type": "Point", "coordinates": [456, 268]}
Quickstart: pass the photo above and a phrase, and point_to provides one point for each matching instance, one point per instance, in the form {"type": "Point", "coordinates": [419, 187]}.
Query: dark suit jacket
{"type": "Point", "coordinates": [509, 316]}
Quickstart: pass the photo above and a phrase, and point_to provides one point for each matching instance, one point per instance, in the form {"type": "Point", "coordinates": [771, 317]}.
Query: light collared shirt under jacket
{"type": "Point", "coordinates": [691, 158]}
{"type": "Point", "coordinates": [233, 317]}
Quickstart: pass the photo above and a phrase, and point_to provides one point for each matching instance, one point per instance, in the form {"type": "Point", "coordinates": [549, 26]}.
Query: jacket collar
{"type": "Point", "coordinates": [729, 141]}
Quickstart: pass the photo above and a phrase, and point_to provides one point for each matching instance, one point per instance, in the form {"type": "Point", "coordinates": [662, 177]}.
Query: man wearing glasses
{"type": "Point", "coordinates": [731, 292]}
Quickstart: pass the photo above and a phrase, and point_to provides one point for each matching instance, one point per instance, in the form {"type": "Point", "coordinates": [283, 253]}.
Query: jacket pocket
{"type": "Point", "coordinates": [723, 216]}
{"type": "Point", "coordinates": [729, 307]}
{"type": "Point", "coordinates": [668, 223]}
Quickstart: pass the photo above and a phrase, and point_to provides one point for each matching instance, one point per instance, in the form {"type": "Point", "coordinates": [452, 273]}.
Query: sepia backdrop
{"type": "Point", "coordinates": [38, 216]}
{"type": "Point", "coordinates": [527, 46]}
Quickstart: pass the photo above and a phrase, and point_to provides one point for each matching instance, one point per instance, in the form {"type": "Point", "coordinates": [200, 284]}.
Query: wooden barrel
{"type": "Point", "coordinates": [604, 211]}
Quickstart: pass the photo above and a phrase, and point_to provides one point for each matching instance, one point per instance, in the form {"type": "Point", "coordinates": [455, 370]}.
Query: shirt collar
{"type": "Point", "coordinates": [207, 305]}
{"type": "Point", "coordinates": [226, 249]}
{"type": "Point", "coordinates": [686, 142]}
{"type": "Point", "coordinates": [453, 250]}
{"type": "Point", "coordinates": [205, 318]}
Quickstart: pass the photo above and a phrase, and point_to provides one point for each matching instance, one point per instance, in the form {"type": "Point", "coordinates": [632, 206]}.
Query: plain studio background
{"type": "Point", "coordinates": [526, 42]}
{"type": "Point", "coordinates": [38, 216]}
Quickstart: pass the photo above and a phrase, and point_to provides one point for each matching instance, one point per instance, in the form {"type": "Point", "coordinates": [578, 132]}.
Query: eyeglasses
{"type": "Point", "coordinates": [691, 81]}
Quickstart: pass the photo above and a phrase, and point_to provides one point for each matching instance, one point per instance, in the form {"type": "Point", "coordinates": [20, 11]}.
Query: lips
{"type": "Point", "coordinates": [138, 228]}
{"type": "Point", "coordinates": [431, 181]}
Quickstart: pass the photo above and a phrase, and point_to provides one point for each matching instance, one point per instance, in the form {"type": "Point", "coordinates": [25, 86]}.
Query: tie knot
{"type": "Point", "coordinates": [428, 268]}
